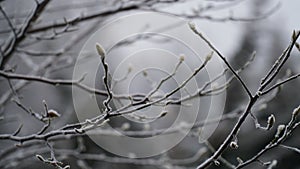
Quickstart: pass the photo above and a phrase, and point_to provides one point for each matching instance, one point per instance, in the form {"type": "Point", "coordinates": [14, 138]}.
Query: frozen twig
{"type": "Point", "coordinates": [102, 54]}
{"type": "Point", "coordinates": [194, 29]}
{"type": "Point", "coordinates": [252, 100]}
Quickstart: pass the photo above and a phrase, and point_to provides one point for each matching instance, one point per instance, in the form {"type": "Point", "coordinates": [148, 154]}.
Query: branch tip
{"type": "Point", "coordinates": [100, 50]}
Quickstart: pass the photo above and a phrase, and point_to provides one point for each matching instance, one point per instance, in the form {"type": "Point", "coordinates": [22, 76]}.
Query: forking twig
{"type": "Point", "coordinates": [252, 99]}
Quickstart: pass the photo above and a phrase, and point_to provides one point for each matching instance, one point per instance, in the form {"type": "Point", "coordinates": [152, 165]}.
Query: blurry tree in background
{"type": "Point", "coordinates": [40, 41]}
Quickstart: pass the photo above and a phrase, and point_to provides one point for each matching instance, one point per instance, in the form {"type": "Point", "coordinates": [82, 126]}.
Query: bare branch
{"type": "Point", "coordinates": [55, 82]}
{"type": "Point", "coordinates": [15, 41]}
{"type": "Point", "coordinates": [194, 29]}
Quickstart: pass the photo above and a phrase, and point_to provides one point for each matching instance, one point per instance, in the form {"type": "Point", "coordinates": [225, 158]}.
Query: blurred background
{"type": "Point", "coordinates": [45, 40]}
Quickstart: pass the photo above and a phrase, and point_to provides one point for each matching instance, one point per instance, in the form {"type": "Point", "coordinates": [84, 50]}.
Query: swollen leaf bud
{"type": "Point", "coordinates": [52, 113]}
{"type": "Point", "coordinates": [100, 50]}
{"type": "Point", "coordinates": [67, 167]}
{"type": "Point", "coordinates": [217, 163]}
{"type": "Point", "coordinates": [294, 36]}
{"type": "Point", "coordinates": [192, 26]}
{"type": "Point", "coordinates": [79, 131]}
{"type": "Point", "coordinates": [240, 161]}
{"type": "Point", "coordinates": [104, 122]}
{"type": "Point", "coordinates": [162, 114]}
{"type": "Point", "coordinates": [40, 157]}
{"type": "Point", "coordinates": [296, 111]}
{"type": "Point", "coordinates": [181, 58]}
{"type": "Point", "coordinates": [234, 145]}
{"type": "Point", "coordinates": [280, 130]}
{"type": "Point", "coordinates": [272, 164]}
{"type": "Point", "coordinates": [209, 56]}
{"type": "Point", "coordinates": [271, 121]}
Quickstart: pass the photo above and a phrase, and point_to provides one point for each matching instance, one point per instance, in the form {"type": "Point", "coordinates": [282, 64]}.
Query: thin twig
{"type": "Point", "coordinates": [53, 81]}
{"type": "Point", "coordinates": [194, 29]}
